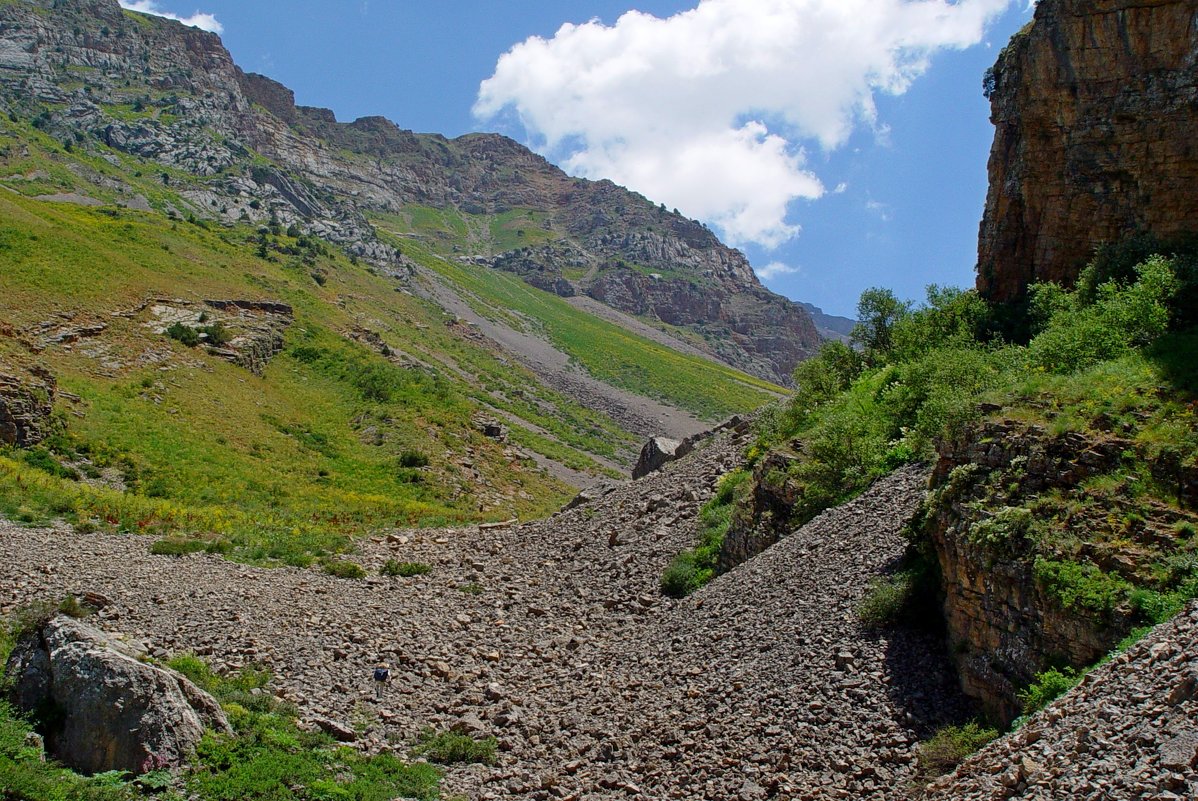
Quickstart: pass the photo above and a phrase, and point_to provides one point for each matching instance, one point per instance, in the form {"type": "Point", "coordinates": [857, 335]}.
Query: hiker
{"type": "Point", "coordinates": [382, 675]}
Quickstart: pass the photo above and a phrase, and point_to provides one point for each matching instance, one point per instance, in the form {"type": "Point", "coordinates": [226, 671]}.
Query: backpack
{"type": "Point", "coordinates": [381, 674]}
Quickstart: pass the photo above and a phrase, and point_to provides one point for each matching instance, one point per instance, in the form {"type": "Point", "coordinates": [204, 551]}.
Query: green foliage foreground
{"type": "Point", "coordinates": [268, 758]}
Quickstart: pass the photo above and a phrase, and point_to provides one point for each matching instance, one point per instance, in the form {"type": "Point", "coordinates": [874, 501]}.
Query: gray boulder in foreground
{"type": "Point", "coordinates": [101, 707]}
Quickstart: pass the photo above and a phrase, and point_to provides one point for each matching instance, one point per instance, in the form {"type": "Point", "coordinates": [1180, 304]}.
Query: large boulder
{"type": "Point", "coordinates": [657, 452]}
{"type": "Point", "coordinates": [99, 707]}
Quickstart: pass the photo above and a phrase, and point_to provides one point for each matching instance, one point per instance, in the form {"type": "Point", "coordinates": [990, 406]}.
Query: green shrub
{"type": "Point", "coordinates": [887, 600]}
{"type": "Point", "coordinates": [393, 567]}
{"type": "Point", "coordinates": [217, 334]}
{"type": "Point", "coordinates": [1005, 529]}
{"type": "Point", "coordinates": [412, 459]}
{"type": "Point", "coordinates": [343, 569]}
{"type": "Point", "coordinates": [449, 747]}
{"type": "Point", "coordinates": [184, 334]}
{"type": "Point", "coordinates": [1118, 319]}
{"type": "Point", "coordinates": [1080, 587]}
{"type": "Point", "coordinates": [830, 372]}
{"type": "Point", "coordinates": [42, 459]}
{"type": "Point", "coordinates": [684, 576]}
{"type": "Point", "coordinates": [1048, 686]}
{"type": "Point", "coordinates": [950, 747]}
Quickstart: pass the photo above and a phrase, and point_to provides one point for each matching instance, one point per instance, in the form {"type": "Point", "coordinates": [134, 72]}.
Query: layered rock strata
{"type": "Point", "coordinates": [1095, 105]}
{"type": "Point", "coordinates": [26, 406]}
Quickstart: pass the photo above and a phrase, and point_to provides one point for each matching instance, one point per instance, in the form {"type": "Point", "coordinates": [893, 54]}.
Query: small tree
{"type": "Point", "coordinates": [878, 311]}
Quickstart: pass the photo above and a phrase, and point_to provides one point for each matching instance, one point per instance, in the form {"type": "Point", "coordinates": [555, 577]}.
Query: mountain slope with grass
{"type": "Point", "coordinates": [214, 341]}
{"type": "Point", "coordinates": [235, 147]}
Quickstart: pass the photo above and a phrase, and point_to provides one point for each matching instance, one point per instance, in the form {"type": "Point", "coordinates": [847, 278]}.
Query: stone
{"type": "Point", "coordinates": [335, 729]}
{"type": "Point", "coordinates": [113, 712]}
{"type": "Point", "coordinates": [655, 454]}
{"type": "Point", "coordinates": [1094, 115]}
{"type": "Point", "coordinates": [1181, 752]}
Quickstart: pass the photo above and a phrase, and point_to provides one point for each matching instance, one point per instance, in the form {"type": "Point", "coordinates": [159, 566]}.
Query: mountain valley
{"type": "Point", "coordinates": [287, 401]}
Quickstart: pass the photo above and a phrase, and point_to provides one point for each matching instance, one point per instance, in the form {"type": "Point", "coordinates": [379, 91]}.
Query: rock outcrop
{"type": "Point", "coordinates": [26, 406]}
{"type": "Point", "coordinates": [100, 707]}
{"type": "Point", "coordinates": [1004, 497]}
{"type": "Point", "coordinates": [657, 452]}
{"type": "Point", "coordinates": [252, 331]}
{"type": "Point", "coordinates": [1128, 732]}
{"type": "Point", "coordinates": [1095, 105]}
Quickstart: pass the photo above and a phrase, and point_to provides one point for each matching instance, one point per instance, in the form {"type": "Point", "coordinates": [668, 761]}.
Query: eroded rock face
{"type": "Point", "coordinates": [108, 710]}
{"type": "Point", "coordinates": [1095, 107]}
{"type": "Point", "coordinates": [26, 406]}
{"type": "Point", "coordinates": [1004, 627]}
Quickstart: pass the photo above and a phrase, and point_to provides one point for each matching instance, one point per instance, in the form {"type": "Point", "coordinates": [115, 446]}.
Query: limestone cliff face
{"type": "Point", "coordinates": [153, 88]}
{"type": "Point", "coordinates": [1007, 500]}
{"type": "Point", "coordinates": [1095, 106]}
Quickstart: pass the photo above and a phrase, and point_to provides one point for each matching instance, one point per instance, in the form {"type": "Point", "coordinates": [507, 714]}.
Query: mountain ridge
{"type": "Point", "coordinates": [241, 138]}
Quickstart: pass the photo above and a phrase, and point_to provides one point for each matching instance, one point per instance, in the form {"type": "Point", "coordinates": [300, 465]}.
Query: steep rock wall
{"type": "Point", "coordinates": [1008, 494]}
{"type": "Point", "coordinates": [1095, 105]}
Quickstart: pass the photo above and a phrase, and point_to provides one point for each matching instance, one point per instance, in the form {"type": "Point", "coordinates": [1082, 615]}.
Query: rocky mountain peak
{"type": "Point", "coordinates": [162, 91]}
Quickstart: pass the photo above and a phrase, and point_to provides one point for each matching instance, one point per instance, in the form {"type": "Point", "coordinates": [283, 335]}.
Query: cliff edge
{"type": "Point", "coordinates": [1095, 105]}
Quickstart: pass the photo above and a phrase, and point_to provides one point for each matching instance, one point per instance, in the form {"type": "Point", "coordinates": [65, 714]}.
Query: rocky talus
{"type": "Point", "coordinates": [553, 637]}
{"type": "Point", "coordinates": [1094, 113]}
{"type": "Point", "coordinates": [1129, 731]}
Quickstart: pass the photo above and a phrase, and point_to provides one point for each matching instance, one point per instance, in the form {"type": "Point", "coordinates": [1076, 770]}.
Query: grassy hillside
{"type": "Point", "coordinates": [368, 417]}
{"type": "Point", "coordinates": [605, 350]}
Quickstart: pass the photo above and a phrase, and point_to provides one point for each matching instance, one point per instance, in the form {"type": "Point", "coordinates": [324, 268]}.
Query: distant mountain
{"type": "Point", "coordinates": [236, 147]}
{"type": "Point", "coordinates": [829, 325]}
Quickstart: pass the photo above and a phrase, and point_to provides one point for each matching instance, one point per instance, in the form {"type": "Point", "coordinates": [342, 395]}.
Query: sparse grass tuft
{"type": "Point", "coordinates": [343, 569]}
{"type": "Point", "coordinates": [450, 748]}
{"type": "Point", "coordinates": [887, 600]}
{"type": "Point", "coordinates": [949, 747]}
{"type": "Point", "coordinates": [694, 568]}
{"type": "Point", "coordinates": [393, 567]}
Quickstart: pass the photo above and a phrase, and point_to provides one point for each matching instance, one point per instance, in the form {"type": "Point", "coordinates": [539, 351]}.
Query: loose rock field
{"type": "Point", "coordinates": [553, 637]}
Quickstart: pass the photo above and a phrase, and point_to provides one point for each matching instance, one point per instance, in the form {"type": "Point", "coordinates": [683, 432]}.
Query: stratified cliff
{"type": "Point", "coordinates": [1095, 106]}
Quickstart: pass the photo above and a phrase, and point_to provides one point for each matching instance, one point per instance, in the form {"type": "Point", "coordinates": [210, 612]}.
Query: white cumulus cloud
{"type": "Point", "coordinates": [201, 20]}
{"type": "Point", "coordinates": [773, 270]}
{"type": "Point", "coordinates": [715, 109]}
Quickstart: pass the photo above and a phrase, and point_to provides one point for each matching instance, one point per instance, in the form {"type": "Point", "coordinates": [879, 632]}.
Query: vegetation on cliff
{"type": "Point", "coordinates": [1110, 361]}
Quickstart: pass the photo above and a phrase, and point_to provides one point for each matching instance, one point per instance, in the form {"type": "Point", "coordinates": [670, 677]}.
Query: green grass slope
{"type": "Point", "coordinates": [367, 419]}
{"type": "Point", "coordinates": [607, 351]}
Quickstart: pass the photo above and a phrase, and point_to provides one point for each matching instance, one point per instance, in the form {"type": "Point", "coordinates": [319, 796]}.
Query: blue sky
{"type": "Point", "coordinates": [841, 144]}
